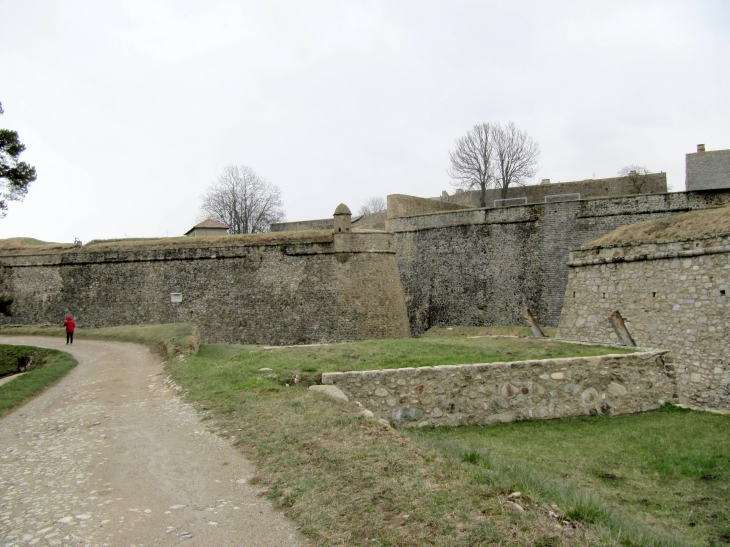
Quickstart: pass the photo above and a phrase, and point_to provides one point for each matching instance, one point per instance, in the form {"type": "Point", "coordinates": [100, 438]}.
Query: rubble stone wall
{"type": "Point", "coordinates": [483, 394]}
{"type": "Point", "coordinates": [673, 294]}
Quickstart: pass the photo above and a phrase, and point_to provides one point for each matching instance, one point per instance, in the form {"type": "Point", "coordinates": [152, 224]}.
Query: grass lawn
{"type": "Point", "coordinates": [350, 481]}
{"type": "Point", "coordinates": [669, 468]}
{"type": "Point", "coordinates": [241, 364]}
{"type": "Point", "coordinates": [48, 367]}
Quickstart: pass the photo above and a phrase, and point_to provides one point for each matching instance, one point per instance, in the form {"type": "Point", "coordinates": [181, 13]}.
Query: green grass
{"type": "Point", "coordinates": [9, 358]}
{"type": "Point", "coordinates": [456, 332]}
{"type": "Point", "coordinates": [49, 366]}
{"type": "Point", "coordinates": [242, 363]}
{"type": "Point", "coordinates": [167, 340]}
{"type": "Point", "coordinates": [669, 469]}
{"type": "Point", "coordinates": [350, 481]}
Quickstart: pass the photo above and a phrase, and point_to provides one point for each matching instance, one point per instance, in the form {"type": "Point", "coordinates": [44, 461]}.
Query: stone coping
{"type": "Point", "coordinates": [651, 250]}
{"type": "Point", "coordinates": [331, 378]}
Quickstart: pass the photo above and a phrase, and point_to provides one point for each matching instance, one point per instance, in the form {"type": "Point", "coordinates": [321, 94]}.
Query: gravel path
{"type": "Point", "coordinates": [110, 456]}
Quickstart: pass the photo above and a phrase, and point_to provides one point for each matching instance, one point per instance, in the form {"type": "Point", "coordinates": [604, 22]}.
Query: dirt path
{"type": "Point", "coordinates": [110, 456]}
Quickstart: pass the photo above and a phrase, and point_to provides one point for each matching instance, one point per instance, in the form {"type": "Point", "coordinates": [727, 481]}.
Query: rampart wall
{"type": "Point", "coordinates": [293, 291]}
{"type": "Point", "coordinates": [653, 183]}
{"type": "Point", "coordinates": [484, 266]}
{"type": "Point", "coordinates": [504, 392]}
{"type": "Point", "coordinates": [673, 294]}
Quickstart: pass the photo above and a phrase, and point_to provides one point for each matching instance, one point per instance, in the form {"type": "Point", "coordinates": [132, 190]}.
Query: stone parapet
{"type": "Point", "coordinates": [480, 394]}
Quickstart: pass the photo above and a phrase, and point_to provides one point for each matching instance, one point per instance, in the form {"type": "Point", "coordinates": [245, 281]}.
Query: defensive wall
{"type": "Point", "coordinates": [673, 294]}
{"type": "Point", "coordinates": [652, 183]}
{"type": "Point", "coordinates": [483, 394]}
{"type": "Point", "coordinates": [294, 288]}
{"type": "Point", "coordinates": [484, 266]}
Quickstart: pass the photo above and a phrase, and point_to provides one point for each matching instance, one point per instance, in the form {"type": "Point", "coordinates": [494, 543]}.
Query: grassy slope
{"type": "Point", "coordinates": [668, 468]}
{"type": "Point", "coordinates": [19, 390]}
{"type": "Point", "coordinates": [692, 224]}
{"type": "Point", "coordinates": [310, 362]}
{"type": "Point", "coordinates": [9, 358]}
{"type": "Point", "coordinates": [167, 339]}
{"type": "Point", "coordinates": [349, 481]}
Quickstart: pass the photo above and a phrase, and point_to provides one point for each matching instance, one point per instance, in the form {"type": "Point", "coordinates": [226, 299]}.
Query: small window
{"type": "Point", "coordinates": [573, 294]}
{"type": "Point", "coordinates": [653, 295]}
{"type": "Point", "coordinates": [722, 292]}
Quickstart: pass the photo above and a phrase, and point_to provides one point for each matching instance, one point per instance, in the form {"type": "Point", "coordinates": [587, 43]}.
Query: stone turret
{"type": "Point", "coordinates": [343, 219]}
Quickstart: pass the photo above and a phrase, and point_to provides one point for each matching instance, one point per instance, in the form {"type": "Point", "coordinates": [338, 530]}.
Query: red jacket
{"type": "Point", "coordinates": [69, 324]}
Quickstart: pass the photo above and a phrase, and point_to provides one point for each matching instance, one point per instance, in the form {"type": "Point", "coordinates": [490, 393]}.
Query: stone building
{"type": "Point", "coordinates": [208, 227]}
{"type": "Point", "coordinates": [708, 170]}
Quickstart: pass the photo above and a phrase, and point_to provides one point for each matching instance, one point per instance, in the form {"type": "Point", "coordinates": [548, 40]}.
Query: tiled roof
{"type": "Point", "coordinates": [210, 223]}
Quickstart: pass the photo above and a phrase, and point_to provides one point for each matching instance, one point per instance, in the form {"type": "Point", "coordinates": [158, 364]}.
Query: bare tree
{"type": "Point", "coordinates": [373, 205]}
{"type": "Point", "coordinates": [243, 200]}
{"type": "Point", "coordinates": [472, 161]}
{"type": "Point", "coordinates": [515, 156]}
{"type": "Point", "coordinates": [637, 175]}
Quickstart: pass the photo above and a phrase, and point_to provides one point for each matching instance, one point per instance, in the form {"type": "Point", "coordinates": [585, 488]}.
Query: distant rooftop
{"type": "Point", "coordinates": [210, 223]}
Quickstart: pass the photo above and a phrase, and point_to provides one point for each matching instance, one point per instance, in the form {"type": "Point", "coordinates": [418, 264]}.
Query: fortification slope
{"type": "Point", "coordinates": [26, 246]}
{"type": "Point", "coordinates": [688, 225]}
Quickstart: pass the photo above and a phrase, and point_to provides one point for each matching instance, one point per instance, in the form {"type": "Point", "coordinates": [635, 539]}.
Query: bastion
{"type": "Point", "coordinates": [285, 288]}
{"type": "Point", "coordinates": [673, 292]}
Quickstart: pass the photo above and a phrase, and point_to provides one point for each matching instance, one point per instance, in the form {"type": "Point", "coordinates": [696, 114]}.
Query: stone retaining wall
{"type": "Point", "coordinates": [504, 392]}
{"type": "Point", "coordinates": [673, 294]}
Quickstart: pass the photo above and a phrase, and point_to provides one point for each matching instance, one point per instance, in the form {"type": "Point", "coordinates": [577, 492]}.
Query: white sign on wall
{"type": "Point", "coordinates": [175, 297]}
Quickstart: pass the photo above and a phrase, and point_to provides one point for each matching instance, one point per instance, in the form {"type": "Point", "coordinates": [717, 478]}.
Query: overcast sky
{"type": "Point", "coordinates": [130, 109]}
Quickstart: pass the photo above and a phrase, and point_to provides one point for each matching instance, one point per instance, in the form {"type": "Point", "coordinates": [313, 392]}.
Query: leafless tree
{"type": "Point", "coordinates": [373, 205]}
{"type": "Point", "coordinates": [243, 200]}
{"type": "Point", "coordinates": [637, 175]}
{"type": "Point", "coordinates": [472, 161]}
{"type": "Point", "coordinates": [515, 155]}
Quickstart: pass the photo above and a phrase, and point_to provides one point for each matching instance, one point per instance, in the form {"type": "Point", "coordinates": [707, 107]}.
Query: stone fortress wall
{"type": "Point", "coordinates": [653, 183]}
{"type": "Point", "coordinates": [320, 288]}
{"type": "Point", "coordinates": [483, 394]}
{"type": "Point", "coordinates": [484, 266]}
{"type": "Point", "coordinates": [673, 294]}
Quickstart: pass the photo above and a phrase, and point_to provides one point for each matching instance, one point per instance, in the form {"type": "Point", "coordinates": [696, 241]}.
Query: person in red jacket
{"type": "Point", "coordinates": [70, 328]}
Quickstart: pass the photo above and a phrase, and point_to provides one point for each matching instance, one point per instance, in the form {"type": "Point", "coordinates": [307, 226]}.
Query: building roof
{"type": "Point", "coordinates": [210, 223]}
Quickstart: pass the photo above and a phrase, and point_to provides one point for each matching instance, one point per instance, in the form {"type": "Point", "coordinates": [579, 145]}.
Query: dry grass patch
{"type": "Point", "coordinates": [29, 246]}
{"type": "Point", "coordinates": [692, 224]}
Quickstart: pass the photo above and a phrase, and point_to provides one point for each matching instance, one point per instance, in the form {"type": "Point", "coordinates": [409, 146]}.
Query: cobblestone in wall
{"type": "Point", "coordinates": [483, 394]}
{"type": "Point", "coordinates": [673, 294]}
{"type": "Point", "coordinates": [261, 294]}
{"type": "Point", "coordinates": [483, 266]}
